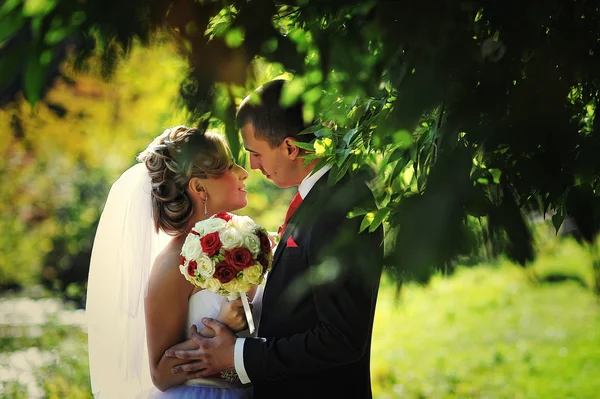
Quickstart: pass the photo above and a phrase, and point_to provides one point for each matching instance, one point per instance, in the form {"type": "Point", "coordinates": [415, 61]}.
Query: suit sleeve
{"type": "Point", "coordinates": [344, 305]}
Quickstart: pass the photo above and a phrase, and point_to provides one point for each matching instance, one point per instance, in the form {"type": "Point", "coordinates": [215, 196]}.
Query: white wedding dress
{"type": "Point", "coordinates": [124, 250]}
{"type": "Point", "coordinates": [207, 304]}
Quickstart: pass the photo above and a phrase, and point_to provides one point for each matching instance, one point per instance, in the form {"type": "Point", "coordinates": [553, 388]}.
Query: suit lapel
{"type": "Point", "coordinates": [306, 202]}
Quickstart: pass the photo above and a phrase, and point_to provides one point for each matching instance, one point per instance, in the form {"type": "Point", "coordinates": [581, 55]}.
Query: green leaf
{"type": "Point", "coordinates": [349, 135]}
{"type": "Point", "coordinates": [496, 173]}
{"type": "Point", "coordinates": [378, 219]}
{"type": "Point", "coordinates": [9, 25]}
{"type": "Point", "coordinates": [292, 92]}
{"type": "Point", "coordinates": [305, 146]}
{"type": "Point", "coordinates": [366, 222]}
{"type": "Point", "coordinates": [558, 218]}
{"type": "Point", "coordinates": [399, 167]}
{"type": "Point", "coordinates": [324, 132]}
{"type": "Point", "coordinates": [235, 37]}
{"type": "Point", "coordinates": [397, 154]}
{"type": "Point", "coordinates": [338, 172]}
{"type": "Point", "coordinates": [312, 129]}
{"type": "Point", "coordinates": [314, 77]}
{"type": "Point", "coordinates": [312, 96]}
{"type": "Point", "coordinates": [57, 35]}
{"type": "Point", "coordinates": [356, 211]}
{"type": "Point", "coordinates": [322, 163]}
{"type": "Point", "coordinates": [341, 155]}
{"type": "Point", "coordinates": [35, 75]}
{"type": "Point", "coordinates": [403, 139]}
{"type": "Point", "coordinates": [33, 8]}
{"type": "Point", "coordinates": [7, 7]}
{"type": "Point", "coordinates": [269, 46]}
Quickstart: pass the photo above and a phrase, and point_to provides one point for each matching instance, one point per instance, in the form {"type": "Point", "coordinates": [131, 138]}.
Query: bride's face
{"type": "Point", "coordinates": [227, 193]}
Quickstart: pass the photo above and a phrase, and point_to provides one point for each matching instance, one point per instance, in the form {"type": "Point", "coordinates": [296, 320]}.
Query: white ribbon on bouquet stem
{"type": "Point", "coordinates": [247, 309]}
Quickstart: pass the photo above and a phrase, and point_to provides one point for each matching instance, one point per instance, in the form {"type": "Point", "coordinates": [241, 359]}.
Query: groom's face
{"type": "Point", "coordinates": [275, 163]}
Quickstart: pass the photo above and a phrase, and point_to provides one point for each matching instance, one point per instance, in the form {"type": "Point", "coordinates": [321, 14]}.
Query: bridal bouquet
{"type": "Point", "coordinates": [227, 254]}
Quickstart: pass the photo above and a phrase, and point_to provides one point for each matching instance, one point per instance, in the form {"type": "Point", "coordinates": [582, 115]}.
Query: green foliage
{"type": "Point", "coordinates": [61, 156]}
{"type": "Point", "coordinates": [467, 110]}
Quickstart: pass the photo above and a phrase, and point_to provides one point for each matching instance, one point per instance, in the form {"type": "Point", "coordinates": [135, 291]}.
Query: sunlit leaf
{"type": "Point", "coordinates": [367, 220]}
{"type": "Point", "coordinates": [378, 219]}
{"type": "Point", "coordinates": [496, 173]}
{"type": "Point", "coordinates": [38, 7]}
{"type": "Point", "coordinates": [292, 92]}
{"type": "Point", "coordinates": [235, 37]}
{"type": "Point", "coordinates": [403, 139]}
{"type": "Point", "coordinates": [357, 212]}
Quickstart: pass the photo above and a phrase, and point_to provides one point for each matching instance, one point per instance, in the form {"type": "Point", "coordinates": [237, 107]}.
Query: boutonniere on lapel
{"type": "Point", "coordinates": [290, 243]}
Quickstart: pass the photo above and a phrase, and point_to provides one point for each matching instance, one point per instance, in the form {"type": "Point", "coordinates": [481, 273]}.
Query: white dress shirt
{"type": "Point", "coordinates": [238, 355]}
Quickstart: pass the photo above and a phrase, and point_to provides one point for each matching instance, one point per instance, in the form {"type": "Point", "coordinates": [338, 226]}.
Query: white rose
{"type": "Point", "coordinates": [209, 225]}
{"type": "Point", "coordinates": [230, 238]}
{"type": "Point", "coordinates": [212, 284]}
{"type": "Point", "coordinates": [206, 266]}
{"type": "Point", "coordinates": [191, 247]}
{"type": "Point", "coordinates": [198, 281]}
{"type": "Point", "coordinates": [252, 242]}
{"type": "Point", "coordinates": [253, 274]}
{"type": "Point", "coordinates": [238, 285]}
{"type": "Point", "coordinates": [183, 270]}
{"type": "Point", "coordinates": [244, 224]}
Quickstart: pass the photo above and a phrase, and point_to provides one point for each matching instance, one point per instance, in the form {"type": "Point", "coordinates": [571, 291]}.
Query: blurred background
{"type": "Point", "coordinates": [515, 314]}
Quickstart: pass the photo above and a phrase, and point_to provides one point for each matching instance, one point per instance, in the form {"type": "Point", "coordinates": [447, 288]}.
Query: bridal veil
{"type": "Point", "coordinates": [125, 247]}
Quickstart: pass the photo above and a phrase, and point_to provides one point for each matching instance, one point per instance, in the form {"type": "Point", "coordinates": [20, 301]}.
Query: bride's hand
{"type": "Point", "coordinates": [232, 315]}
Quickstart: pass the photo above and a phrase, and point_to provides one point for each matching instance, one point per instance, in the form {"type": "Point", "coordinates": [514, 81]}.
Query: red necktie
{"type": "Point", "coordinates": [296, 201]}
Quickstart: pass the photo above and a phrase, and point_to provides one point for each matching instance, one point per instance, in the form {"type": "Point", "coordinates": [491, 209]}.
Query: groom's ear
{"type": "Point", "coordinates": [291, 149]}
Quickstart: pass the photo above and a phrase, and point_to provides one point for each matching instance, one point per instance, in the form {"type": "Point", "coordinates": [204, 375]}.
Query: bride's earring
{"type": "Point", "coordinates": [205, 209]}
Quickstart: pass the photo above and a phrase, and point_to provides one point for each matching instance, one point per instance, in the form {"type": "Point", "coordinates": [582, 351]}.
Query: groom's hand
{"type": "Point", "coordinates": [213, 354]}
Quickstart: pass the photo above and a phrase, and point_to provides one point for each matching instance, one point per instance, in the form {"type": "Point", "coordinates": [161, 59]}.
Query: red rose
{"type": "Point", "coordinates": [239, 258]}
{"type": "Point", "coordinates": [224, 272]}
{"type": "Point", "coordinates": [192, 268]}
{"type": "Point", "coordinates": [264, 262]}
{"type": "Point", "coordinates": [265, 243]}
{"type": "Point", "coordinates": [211, 243]}
{"type": "Point", "coordinates": [224, 215]}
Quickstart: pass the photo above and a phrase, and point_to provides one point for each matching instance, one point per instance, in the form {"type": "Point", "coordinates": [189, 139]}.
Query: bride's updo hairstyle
{"type": "Point", "coordinates": [173, 159]}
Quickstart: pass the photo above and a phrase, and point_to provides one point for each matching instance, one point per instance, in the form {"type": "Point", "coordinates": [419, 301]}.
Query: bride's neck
{"type": "Point", "coordinates": [196, 217]}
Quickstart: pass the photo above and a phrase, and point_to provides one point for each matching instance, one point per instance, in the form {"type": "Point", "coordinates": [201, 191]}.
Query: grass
{"type": "Point", "coordinates": [494, 331]}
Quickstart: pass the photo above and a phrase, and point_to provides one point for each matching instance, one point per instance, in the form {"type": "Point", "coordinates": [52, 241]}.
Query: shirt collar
{"type": "Point", "coordinates": [309, 181]}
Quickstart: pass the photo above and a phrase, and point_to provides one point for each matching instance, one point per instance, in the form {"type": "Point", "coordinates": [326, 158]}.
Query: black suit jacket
{"type": "Point", "coordinates": [317, 317]}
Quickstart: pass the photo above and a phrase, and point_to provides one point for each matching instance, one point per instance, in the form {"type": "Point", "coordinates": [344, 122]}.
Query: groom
{"type": "Point", "coordinates": [319, 299]}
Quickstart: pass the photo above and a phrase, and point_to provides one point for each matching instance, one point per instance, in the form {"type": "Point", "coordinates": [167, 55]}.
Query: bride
{"type": "Point", "coordinates": [138, 304]}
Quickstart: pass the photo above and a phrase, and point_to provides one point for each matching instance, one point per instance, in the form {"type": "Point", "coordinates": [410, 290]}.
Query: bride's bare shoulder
{"type": "Point", "coordinates": [171, 255]}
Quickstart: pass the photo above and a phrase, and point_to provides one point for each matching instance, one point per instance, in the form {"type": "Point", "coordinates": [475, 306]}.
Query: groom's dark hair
{"type": "Point", "coordinates": [273, 121]}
